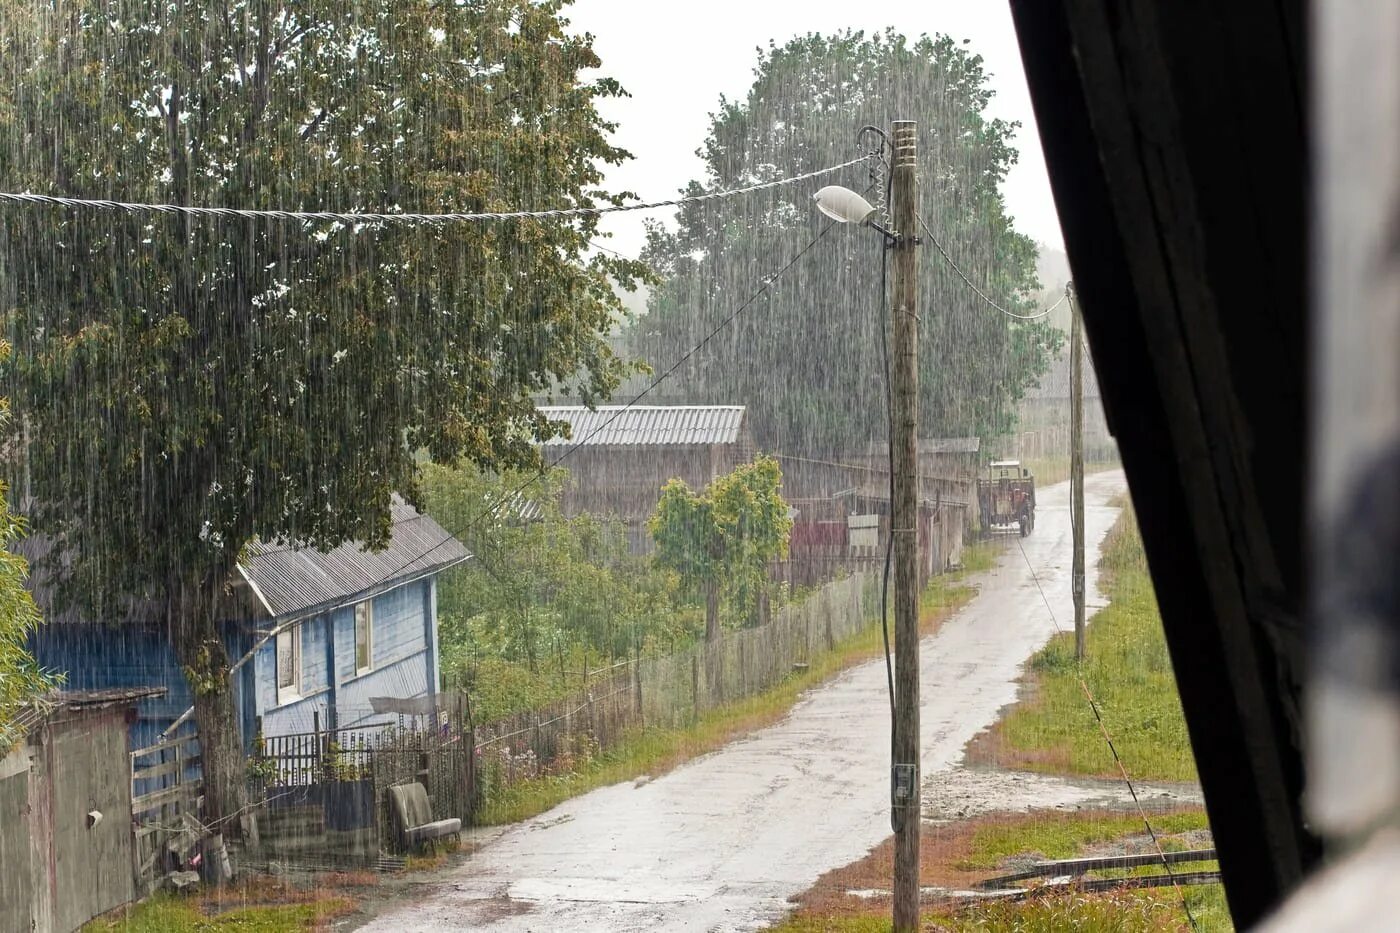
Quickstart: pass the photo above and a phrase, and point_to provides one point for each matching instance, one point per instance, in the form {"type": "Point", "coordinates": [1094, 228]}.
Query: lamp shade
{"type": "Point", "coordinates": [843, 204]}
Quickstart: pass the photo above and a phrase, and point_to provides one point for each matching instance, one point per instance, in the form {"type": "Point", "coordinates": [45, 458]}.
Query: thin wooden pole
{"type": "Point", "coordinates": [904, 526]}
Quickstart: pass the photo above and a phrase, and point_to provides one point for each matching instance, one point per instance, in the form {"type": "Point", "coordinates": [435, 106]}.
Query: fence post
{"type": "Point", "coordinates": [637, 667]}
{"type": "Point", "coordinates": [695, 685]}
{"type": "Point", "coordinates": [318, 763]}
{"type": "Point", "coordinates": [538, 743]}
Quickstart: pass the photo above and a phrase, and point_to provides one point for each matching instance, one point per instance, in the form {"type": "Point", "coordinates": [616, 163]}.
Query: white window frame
{"type": "Point", "coordinates": [368, 608]}
{"type": "Point", "coordinates": [290, 637]}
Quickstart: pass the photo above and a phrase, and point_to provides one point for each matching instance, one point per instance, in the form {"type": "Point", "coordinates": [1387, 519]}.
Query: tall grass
{"type": "Point", "coordinates": [1129, 672]}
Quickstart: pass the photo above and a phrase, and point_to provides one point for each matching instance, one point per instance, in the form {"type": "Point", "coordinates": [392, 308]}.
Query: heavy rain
{"type": "Point", "coordinates": [495, 464]}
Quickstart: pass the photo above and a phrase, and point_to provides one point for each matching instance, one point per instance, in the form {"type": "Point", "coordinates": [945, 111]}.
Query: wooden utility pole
{"type": "Point", "coordinates": [1076, 465]}
{"type": "Point", "coordinates": [904, 523]}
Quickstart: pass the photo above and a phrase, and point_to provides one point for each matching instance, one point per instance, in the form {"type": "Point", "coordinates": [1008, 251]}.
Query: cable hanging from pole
{"type": "Point", "coordinates": [981, 294]}
{"type": "Point", "coordinates": [564, 213]}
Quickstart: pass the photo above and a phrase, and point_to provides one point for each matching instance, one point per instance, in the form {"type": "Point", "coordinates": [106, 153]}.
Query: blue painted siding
{"type": "Point", "coordinates": [401, 661]}
{"type": "Point", "coordinates": [398, 623]}
{"type": "Point", "coordinates": [93, 657]}
{"type": "Point", "coordinates": [297, 715]}
{"type": "Point", "coordinates": [344, 644]}
{"type": "Point", "coordinates": [407, 678]}
{"type": "Point", "coordinates": [404, 651]}
{"type": "Point", "coordinates": [430, 633]}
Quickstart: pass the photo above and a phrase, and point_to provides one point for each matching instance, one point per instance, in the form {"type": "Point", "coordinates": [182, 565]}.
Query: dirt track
{"type": "Point", "coordinates": [722, 842]}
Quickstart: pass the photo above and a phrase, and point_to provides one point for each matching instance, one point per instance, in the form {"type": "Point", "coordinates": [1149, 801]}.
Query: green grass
{"type": "Point", "coordinates": [1059, 836]}
{"type": "Point", "coordinates": [1053, 836]}
{"type": "Point", "coordinates": [1149, 911]}
{"type": "Point", "coordinates": [976, 557]}
{"type": "Point", "coordinates": [1062, 836]}
{"type": "Point", "coordinates": [654, 751]}
{"type": "Point", "coordinates": [165, 914]}
{"type": "Point", "coordinates": [1129, 672]}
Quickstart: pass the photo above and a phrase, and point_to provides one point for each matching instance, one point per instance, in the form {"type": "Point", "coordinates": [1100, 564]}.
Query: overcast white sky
{"type": "Point", "coordinates": [677, 58]}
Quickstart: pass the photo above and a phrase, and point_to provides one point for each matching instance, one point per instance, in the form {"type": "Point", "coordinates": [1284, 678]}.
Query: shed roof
{"type": "Point", "coordinates": [647, 425]}
{"type": "Point", "coordinates": [107, 696]}
{"type": "Point", "coordinates": [288, 580]}
{"type": "Point", "coordinates": [40, 708]}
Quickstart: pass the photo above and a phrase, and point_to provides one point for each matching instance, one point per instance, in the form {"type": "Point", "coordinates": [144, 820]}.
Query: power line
{"type": "Point", "coordinates": [1113, 749]}
{"type": "Point", "coordinates": [981, 294]}
{"type": "Point", "coordinates": [608, 249]}
{"type": "Point", "coordinates": [405, 218]}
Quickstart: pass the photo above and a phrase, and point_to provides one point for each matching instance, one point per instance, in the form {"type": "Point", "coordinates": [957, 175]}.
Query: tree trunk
{"type": "Point", "coordinates": [201, 653]}
{"type": "Point", "coordinates": [711, 612]}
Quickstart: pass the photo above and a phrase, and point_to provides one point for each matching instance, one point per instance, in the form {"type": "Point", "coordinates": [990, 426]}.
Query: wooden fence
{"type": "Point", "coordinates": [325, 792]}
{"type": "Point", "coordinates": [165, 792]}
{"type": "Point", "coordinates": [670, 691]}
{"type": "Point", "coordinates": [314, 784]}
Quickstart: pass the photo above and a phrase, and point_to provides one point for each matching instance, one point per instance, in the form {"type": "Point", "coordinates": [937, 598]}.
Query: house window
{"type": "Point", "coordinates": [364, 637]}
{"type": "Point", "coordinates": [289, 664]}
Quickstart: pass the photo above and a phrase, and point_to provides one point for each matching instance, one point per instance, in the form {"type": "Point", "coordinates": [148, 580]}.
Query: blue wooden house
{"type": "Point", "coordinates": [341, 639]}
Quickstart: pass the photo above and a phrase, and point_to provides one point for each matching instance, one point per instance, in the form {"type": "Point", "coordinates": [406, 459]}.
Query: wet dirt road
{"type": "Point", "coordinates": [721, 842]}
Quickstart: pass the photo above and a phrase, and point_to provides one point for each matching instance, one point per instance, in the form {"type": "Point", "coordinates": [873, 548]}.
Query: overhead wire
{"type": "Point", "coordinates": [973, 285]}
{"type": "Point", "coordinates": [429, 219]}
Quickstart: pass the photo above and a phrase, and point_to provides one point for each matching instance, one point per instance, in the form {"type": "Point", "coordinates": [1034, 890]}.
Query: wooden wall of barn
{"type": "Point", "coordinates": [625, 483]}
{"type": "Point", "coordinates": [57, 871]}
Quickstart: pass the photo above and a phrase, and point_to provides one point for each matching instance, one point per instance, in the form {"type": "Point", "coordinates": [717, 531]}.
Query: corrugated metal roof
{"type": "Point", "coordinates": [648, 425]}
{"type": "Point", "coordinates": [290, 581]}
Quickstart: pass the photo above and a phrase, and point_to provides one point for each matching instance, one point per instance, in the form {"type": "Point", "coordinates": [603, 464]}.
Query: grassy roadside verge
{"type": "Point", "coordinates": [256, 904]}
{"type": "Point", "coordinates": [1128, 670]}
{"type": "Point", "coordinates": [956, 856]}
{"type": "Point", "coordinates": [656, 751]}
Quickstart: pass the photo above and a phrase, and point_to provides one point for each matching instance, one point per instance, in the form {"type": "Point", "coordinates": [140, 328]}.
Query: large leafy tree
{"type": "Point", "coordinates": [188, 385]}
{"type": "Point", "coordinates": [806, 357]}
{"type": "Point", "coordinates": [721, 540]}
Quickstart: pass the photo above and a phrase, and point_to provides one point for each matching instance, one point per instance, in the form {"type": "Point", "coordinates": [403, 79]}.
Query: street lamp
{"type": "Point", "coordinates": [846, 206]}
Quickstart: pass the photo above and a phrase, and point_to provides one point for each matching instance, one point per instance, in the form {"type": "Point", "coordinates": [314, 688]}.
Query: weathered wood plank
{"type": "Point", "coordinates": [168, 767]}
{"type": "Point", "coordinates": [177, 742]}
{"type": "Point", "coordinates": [177, 792]}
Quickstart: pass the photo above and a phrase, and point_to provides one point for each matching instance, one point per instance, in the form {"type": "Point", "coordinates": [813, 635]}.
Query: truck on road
{"type": "Point", "coordinates": [1006, 497]}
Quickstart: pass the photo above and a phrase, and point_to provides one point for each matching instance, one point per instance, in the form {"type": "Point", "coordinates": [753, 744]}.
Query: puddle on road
{"type": "Point", "coordinates": [962, 793]}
